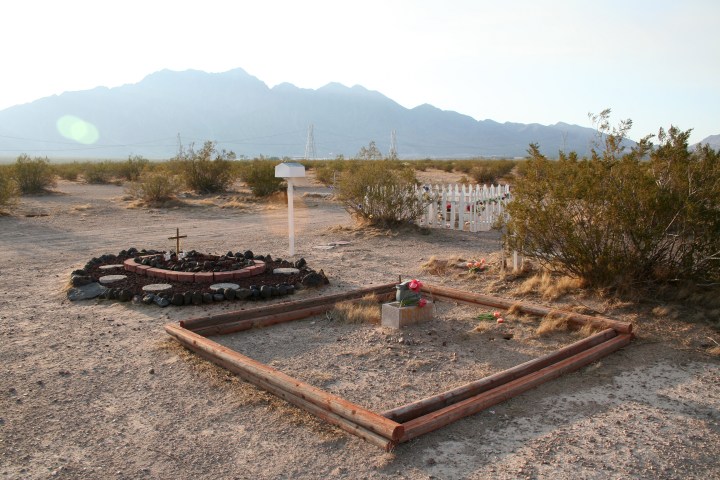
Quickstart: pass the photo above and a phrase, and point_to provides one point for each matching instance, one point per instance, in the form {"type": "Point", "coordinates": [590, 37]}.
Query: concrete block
{"type": "Point", "coordinates": [395, 316]}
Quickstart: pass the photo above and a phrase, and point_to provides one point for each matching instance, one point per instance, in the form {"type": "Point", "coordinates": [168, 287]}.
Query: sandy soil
{"type": "Point", "coordinates": [97, 389]}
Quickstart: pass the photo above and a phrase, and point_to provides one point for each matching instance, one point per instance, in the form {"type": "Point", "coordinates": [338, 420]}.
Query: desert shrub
{"type": "Point", "coordinates": [328, 171]}
{"type": "Point", "coordinates": [33, 175]}
{"type": "Point", "coordinates": [8, 188]}
{"type": "Point", "coordinates": [491, 171]}
{"type": "Point", "coordinates": [206, 170]}
{"type": "Point", "coordinates": [68, 171]}
{"type": "Point", "coordinates": [99, 172]}
{"type": "Point", "coordinates": [131, 168]}
{"type": "Point", "coordinates": [155, 185]}
{"type": "Point", "coordinates": [380, 193]}
{"type": "Point", "coordinates": [617, 219]}
{"type": "Point", "coordinates": [259, 175]}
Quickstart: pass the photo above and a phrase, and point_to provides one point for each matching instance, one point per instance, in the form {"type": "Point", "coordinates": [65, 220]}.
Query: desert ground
{"type": "Point", "coordinates": [96, 389]}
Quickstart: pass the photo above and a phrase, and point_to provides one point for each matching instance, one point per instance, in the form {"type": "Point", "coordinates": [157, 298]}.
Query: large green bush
{"type": "Point", "coordinates": [8, 188]}
{"type": "Point", "coordinates": [156, 185]}
{"type": "Point", "coordinates": [206, 170]}
{"type": "Point", "coordinates": [380, 192]}
{"type": "Point", "coordinates": [33, 175]}
{"type": "Point", "coordinates": [652, 214]}
{"type": "Point", "coordinates": [259, 175]}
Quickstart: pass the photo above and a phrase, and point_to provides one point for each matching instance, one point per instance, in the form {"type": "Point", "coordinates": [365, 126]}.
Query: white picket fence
{"type": "Point", "coordinates": [463, 207]}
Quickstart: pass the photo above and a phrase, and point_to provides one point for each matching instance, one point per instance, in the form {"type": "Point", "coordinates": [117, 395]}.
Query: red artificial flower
{"type": "Point", "coordinates": [414, 285]}
{"type": "Point", "coordinates": [500, 320]}
{"type": "Point", "coordinates": [496, 314]}
{"type": "Point", "coordinates": [422, 302]}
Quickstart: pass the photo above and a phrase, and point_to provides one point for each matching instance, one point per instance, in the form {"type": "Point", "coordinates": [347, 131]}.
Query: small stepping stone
{"type": "Point", "coordinates": [86, 292]}
{"type": "Point", "coordinates": [286, 270]}
{"type": "Point", "coordinates": [111, 267]}
{"type": "Point", "coordinates": [217, 286]}
{"type": "Point", "coordinates": [340, 242]}
{"type": "Point", "coordinates": [156, 287]}
{"type": "Point", "coordinates": [324, 247]}
{"type": "Point", "coordinates": [112, 278]}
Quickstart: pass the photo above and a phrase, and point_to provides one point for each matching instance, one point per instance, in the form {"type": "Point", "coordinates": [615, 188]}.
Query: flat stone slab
{"type": "Point", "coordinates": [86, 292]}
{"type": "Point", "coordinates": [217, 286]}
{"type": "Point", "coordinates": [339, 242]}
{"type": "Point", "coordinates": [156, 287]}
{"type": "Point", "coordinates": [111, 267]}
{"type": "Point", "coordinates": [112, 278]}
{"type": "Point", "coordinates": [286, 270]}
{"type": "Point", "coordinates": [395, 316]}
{"type": "Point", "coordinates": [324, 247]}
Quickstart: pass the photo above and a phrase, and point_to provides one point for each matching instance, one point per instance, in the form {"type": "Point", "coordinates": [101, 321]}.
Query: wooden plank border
{"type": "Point", "coordinates": [409, 421]}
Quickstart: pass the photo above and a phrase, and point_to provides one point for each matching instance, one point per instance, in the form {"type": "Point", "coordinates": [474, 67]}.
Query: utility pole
{"type": "Point", "coordinates": [393, 145]}
{"type": "Point", "coordinates": [310, 144]}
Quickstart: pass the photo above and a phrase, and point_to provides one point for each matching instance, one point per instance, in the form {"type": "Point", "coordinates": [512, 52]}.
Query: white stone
{"type": "Point", "coordinates": [111, 267]}
{"type": "Point", "coordinates": [112, 278]}
{"type": "Point", "coordinates": [286, 271]}
{"type": "Point", "coordinates": [156, 287]}
{"type": "Point", "coordinates": [217, 286]}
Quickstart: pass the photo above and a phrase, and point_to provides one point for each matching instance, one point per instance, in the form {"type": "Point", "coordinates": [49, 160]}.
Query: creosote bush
{"type": "Point", "coordinates": [259, 175]}
{"type": "Point", "coordinates": [33, 175]}
{"type": "Point", "coordinates": [206, 170]}
{"type": "Point", "coordinates": [381, 193]}
{"type": "Point", "coordinates": [616, 219]}
{"type": "Point", "coordinates": [155, 185]}
{"type": "Point", "coordinates": [8, 189]}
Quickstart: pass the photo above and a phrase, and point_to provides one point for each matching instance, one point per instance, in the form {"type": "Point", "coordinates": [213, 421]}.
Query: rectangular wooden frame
{"type": "Point", "coordinates": [401, 424]}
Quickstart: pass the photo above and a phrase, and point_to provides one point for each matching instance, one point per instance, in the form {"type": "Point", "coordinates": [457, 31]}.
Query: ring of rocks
{"type": "Point", "coordinates": [154, 277]}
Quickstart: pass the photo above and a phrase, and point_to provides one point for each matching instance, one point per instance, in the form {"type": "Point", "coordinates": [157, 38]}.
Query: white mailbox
{"type": "Point", "coordinates": [288, 171]}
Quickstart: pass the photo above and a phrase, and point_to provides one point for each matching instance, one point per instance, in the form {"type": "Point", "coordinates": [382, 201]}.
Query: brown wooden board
{"type": "Point", "coordinates": [406, 422]}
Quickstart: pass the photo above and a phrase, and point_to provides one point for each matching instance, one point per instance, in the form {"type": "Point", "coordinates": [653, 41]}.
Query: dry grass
{"type": "Point", "coordinates": [82, 208]}
{"type": "Point", "coordinates": [438, 267]}
{"type": "Point", "coordinates": [553, 323]}
{"type": "Point", "coordinates": [237, 203]}
{"type": "Point", "coordinates": [549, 287]}
{"type": "Point", "coordinates": [715, 351]}
{"type": "Point", "coordinates": [365, 310]}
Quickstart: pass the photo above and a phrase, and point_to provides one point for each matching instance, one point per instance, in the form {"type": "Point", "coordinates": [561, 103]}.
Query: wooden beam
{"type": "Point", "coordinates": [252, 370]}
{"type": "Point", "coordinates": [440, 418]}
{"type": "Point", "coordinates": [497, 302]}
{"type": "Point", "coordinates": [230, 317]}
{"type": "Point", "coordinates": [319, 412]}
{"type": "Point", "coordinates": [422, 407]}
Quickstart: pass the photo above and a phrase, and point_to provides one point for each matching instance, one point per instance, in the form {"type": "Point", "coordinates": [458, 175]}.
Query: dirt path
{"type": "Point", "coordinates": [97, 390]}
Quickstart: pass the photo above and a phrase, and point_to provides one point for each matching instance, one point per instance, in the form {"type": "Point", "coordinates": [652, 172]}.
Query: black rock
{"type": "Point", "coordinates": [248, 254]}
{"type": "Point", "coordinates": [229, 294]}
{"type": "Point", "coordinates": [79, 272]}
{"type": "Point", "coordinates": [125, 295]}
{"type": "Point", "coordinates": [243, 293]}
{"type": "Point", "coordinates": [208, 265]}
{"type": "Point", "coordinates": [229, 254]}
{"type": "Point", "coordinates": [161, 301]}
{"type": "Point", "coordinates": [86, 292]}
{"type": "Point", "coordinates": [122, 253]}
{"type": "Point", "coordinates": [218, 297]}
{"type": "Point", "coordinates": [197, 298]}
{"type": "Point", "coordinates": [239, 255]}
{"type": "Point", "coordinates": [314, 279]}
{"type": "Point", "coordinates": [290, 289]}
{"type": "Point", "coordinates": [282, 290]}
{"type": "Point", "coordinates": [300, 263]}
{"type": "Point", "coordinates": [265, 291]}
{"type": "Point", "coordinates": [268, 258]}
{"type": "Point", "coordinates": [254, 294]}
{"type": "Point", "coordinates": [178, 300]}
{"type": "Point", "coordinates": [80, 280]}
{"type": "Point", "coordinates": [187, 297]}
{"type": "Point", "coordinates": [207, 298]}
{"type": "Point", "coordinates": [274, 292]}
{"type": "Point", "coordinates": [132, 251]}
{"type": "Point", "coordinates": [148, 298]}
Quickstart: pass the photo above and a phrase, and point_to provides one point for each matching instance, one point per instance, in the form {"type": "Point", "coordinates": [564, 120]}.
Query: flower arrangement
{"type": "Point", "coordinates": [476, 267]}
{"type": "Point", "coordinates": [411, 297]}
{"type": "Point", "coordinates": [497, 316]}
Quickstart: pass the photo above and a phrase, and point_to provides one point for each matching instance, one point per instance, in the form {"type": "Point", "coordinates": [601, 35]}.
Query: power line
{"type": "Point", "coordinates": [310, 144]}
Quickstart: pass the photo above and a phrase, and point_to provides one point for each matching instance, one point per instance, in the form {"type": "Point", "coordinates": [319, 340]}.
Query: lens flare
{"type": "Point", "coordinates": [77, 129]}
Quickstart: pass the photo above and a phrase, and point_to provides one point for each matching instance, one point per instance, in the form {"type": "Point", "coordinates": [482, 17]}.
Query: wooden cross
{"type": "Point", "coordinates": [177, 238]}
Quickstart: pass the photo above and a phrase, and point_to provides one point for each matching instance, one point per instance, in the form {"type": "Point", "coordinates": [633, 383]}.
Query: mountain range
{"type": "Point", "coordinates": [169, 109]}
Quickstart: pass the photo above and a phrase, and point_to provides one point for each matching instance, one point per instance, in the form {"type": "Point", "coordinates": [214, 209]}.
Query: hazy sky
{"type": "Point", "coordinates": [656, 62]}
